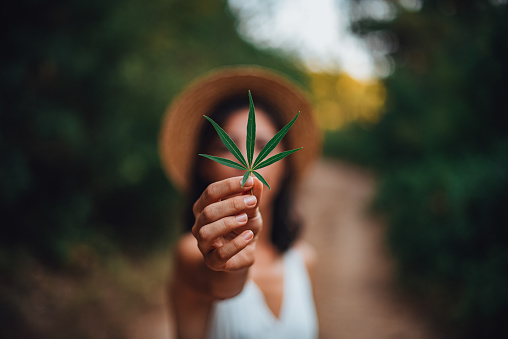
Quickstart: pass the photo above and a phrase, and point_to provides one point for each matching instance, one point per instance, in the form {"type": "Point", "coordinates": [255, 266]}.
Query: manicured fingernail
{"type": "Point", "coordinates": [241, 217]}
{"type": "Point", "coordinates": [248, 183]}
{"type": "Point", "coordinates": [248, 235]}
{"type": "Point", "coordinates": [250, 200]}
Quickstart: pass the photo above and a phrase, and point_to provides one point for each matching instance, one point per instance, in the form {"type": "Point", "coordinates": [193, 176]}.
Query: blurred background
{"type": "Point", "coordinates": [411, 96]}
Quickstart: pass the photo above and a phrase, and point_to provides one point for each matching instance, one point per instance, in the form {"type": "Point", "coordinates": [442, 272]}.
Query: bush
{"type": "Point", "coordinates": [441, 151]}
{"type": "Point", "coordinates": [84, 85]}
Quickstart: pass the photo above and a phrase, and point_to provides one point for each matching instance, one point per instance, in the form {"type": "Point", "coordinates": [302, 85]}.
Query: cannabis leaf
{"type": "Point", "coordinates": [260, 162]}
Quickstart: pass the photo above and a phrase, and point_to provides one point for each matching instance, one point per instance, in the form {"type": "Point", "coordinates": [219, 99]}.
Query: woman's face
{"type": "Point", "coordinates": [236, 126]}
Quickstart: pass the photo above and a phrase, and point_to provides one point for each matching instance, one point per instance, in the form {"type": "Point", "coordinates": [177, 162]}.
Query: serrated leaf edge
{"type": "Point", "coordinates": [274, 141]}
{"type": "Point", "coordinates": [224, 161]}
{"type": "Point", "coordinates": [275, 158]}
{"type": "Point", "coordinates": [260, 177]}
{"type": "Point", "coordinates": [228, 142]}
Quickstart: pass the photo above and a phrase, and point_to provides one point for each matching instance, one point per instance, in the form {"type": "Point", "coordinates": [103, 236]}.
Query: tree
{"type": "Point", "coordinates": [441, 149]}
{"type": "Point", "coordinates": [84, 85]}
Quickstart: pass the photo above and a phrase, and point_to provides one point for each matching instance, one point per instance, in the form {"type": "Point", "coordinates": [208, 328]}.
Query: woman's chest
{"type": "Point", "coordinates": [275, 303]}
{"type": "Point", "coordinates": [269, 278]}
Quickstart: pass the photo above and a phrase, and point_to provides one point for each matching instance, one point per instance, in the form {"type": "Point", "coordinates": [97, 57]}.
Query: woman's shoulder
{"type": "Point", "coordinates": [186, 252]}
{"type": "Point", "coordinates": [308, 253]}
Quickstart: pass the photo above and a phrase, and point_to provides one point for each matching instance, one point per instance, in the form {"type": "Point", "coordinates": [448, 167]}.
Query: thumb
{"type": "Point", "coordinates": [257, 191]}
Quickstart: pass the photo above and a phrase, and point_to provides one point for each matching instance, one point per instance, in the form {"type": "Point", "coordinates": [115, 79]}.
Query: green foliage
{"type": "Point", "coordinates": [250, 146]}
{"type": "Point", "coordinates": [441, 150]}
{"type": "Point", "coordinates": [83, 87]}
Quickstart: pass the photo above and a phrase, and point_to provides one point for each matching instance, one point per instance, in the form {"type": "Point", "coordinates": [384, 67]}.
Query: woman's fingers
{"type": "Point", "coordinates": [257, 191]}
{"type": "Point", "coordinates": [220, 259]}
{"type": "Point", "coordinates": [221, 190]}
{"type": "Point", "coordinates": [222, 209]}
{"type": "Point", "coordinates": [227, 219]}
{"type": "Point", "coordinates": [208, 234]}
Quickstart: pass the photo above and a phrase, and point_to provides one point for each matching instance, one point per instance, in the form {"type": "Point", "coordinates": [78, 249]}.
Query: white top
{"type": "Point", "coordinates": [248, 316]}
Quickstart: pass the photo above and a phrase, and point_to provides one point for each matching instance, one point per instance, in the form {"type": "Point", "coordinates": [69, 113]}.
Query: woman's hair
{"type": "Point", "coordinates": [286, 225]}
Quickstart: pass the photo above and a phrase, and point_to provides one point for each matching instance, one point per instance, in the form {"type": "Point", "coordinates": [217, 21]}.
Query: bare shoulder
{"type": "Point", "coordinates": [187, 250]}
{"type": "Point", "coordinates": [308, 253]}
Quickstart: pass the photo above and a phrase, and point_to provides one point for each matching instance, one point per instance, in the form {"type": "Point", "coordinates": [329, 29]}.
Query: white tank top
{"type": "Point", "coordinates": [248, 316]}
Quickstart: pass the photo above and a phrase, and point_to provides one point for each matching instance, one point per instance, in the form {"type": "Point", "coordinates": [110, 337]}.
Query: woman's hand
{"type": "Point", "coordinates": [227, 221]}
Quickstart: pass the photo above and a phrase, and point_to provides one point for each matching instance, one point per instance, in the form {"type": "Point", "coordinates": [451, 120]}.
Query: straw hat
{"type": "Point", "coordinates": [184, 117]}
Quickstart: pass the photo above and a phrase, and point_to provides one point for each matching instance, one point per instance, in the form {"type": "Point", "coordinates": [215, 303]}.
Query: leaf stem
{"type": "Point", "coordinates": [251, 191]}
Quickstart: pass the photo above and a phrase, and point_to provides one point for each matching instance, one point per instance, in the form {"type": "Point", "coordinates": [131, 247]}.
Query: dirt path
{"type": "Point", "coordinates": [355, 292]}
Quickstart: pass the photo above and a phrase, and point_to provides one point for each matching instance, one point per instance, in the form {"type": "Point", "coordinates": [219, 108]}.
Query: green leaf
{"type": "Point", "coordinates": [245, 176]}
{"type": "Point", "coordinates": [251, 143]}
{"type": "Point", "coordinates": [274, 142]}
{"type": "Point", "coordinates": [251, 131]}
{"type": "Point", "coordinates": [276, 158]}
{"type": "Point", "coordinates": [224, 161]}
{"type": "Point", "coordinates": [261, 178]}
{"type": "Point", "coordinates": [228, 142]}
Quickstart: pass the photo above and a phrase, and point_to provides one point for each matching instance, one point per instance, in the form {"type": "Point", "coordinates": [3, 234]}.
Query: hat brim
{"type": "Point", "coordinates": [184, 117]}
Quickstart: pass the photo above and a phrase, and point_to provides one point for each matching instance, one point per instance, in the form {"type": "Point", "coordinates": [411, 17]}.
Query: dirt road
{"type": "Point", "coordinates": [355, 291]}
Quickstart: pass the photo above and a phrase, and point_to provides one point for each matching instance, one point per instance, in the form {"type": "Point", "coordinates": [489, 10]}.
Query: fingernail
{"type": "Point", "coordinates": [248, 183]}
{"type": "Point", "coordinates": [241, 217]}
{"type": "Point", "coordinates": [250, 200]}
{"type": "Point", "coordinates": [248, 235]}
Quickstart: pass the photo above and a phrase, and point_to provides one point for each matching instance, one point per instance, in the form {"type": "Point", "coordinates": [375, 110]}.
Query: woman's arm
{"type": "Point", "coordinates": [212, 262]}
{"type": "Point", "coordinates": [227, 219]}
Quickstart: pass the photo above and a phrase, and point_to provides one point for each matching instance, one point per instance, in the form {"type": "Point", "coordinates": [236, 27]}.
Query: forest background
{"type": "Point", "coordinates": [83, 199]}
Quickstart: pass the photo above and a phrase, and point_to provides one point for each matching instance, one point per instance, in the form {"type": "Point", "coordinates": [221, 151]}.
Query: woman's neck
{"type": "Point", "coordinates": [264, 241]}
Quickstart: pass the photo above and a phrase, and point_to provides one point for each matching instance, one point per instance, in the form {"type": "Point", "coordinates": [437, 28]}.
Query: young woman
{"type": "Point", "coordinates": [241, 270]}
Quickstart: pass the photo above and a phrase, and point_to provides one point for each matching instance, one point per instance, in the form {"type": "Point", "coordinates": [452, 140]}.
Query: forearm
{"type": "Point", "coordinates": [225, 285]}
{"type": "Point", "coordinates": [192, 272]}
{"type": "Point", "coordinates": [220, 249]}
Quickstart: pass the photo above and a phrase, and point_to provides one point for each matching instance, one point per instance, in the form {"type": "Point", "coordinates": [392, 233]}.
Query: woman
{"type": "Point", "coordinates": [240, 270]}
